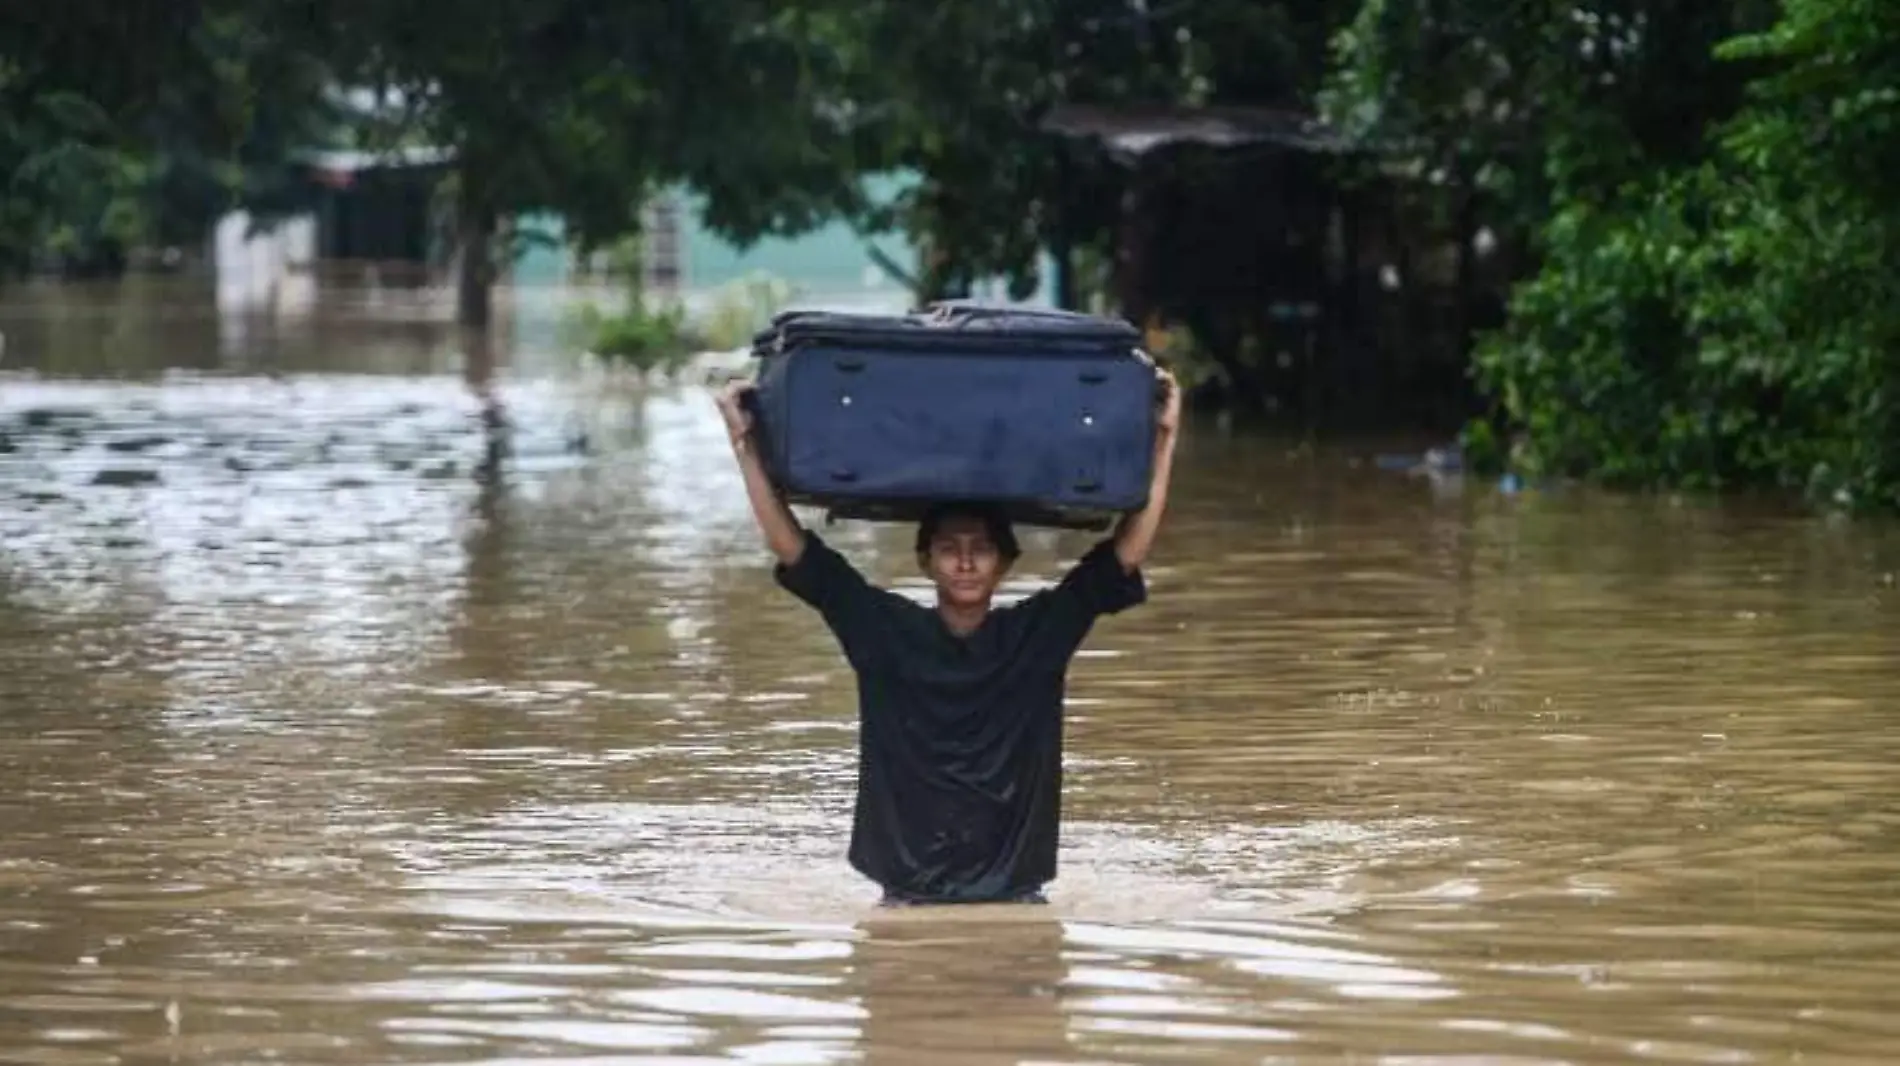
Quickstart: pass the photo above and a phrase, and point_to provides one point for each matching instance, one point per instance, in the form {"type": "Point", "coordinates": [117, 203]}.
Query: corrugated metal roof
{"type": "Point", "coordinates": [1134, 131]}
{"type": "Point", "coordinates": [350, 160]}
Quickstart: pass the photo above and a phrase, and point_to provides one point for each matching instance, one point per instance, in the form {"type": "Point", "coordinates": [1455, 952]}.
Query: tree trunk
{"type": "Point", "coordinates": [475, 225]}
{"type": "Point", "coordinates": [1134, 290]}
{"type": "Point", "coordinates": [1465, 274]}
{"type": "Point", "coordinates": [1064, 281]}
{"type": "Point", "coordinates": [1062, 237]}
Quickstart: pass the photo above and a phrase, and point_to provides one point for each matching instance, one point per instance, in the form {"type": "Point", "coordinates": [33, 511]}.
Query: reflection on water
{"type": "Point", "coordinates": [448, 713]}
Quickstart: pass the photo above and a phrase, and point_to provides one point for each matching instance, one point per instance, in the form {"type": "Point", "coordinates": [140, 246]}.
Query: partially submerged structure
{"type": "Point", "coordinates": [1305, 267]}
{"type": "Point", "coordinates": [380, 207]}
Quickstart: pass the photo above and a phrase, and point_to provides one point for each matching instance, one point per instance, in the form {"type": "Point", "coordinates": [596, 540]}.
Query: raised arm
{"type": "Point", "coordinates": [782, 532]}
{"type": "Point", "coordinates": [1136, 533]}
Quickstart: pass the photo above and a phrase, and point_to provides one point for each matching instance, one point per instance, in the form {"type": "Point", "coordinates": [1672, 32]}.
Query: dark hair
{"type": "Point", "coordinates": [995, 523]}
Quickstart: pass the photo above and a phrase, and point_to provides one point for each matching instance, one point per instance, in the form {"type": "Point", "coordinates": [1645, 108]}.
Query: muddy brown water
{"type": "Point", "coordinates": [335, 734]}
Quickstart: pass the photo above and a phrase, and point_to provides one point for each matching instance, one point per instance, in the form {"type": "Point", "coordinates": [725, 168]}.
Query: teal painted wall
{"type": "Point", "coordinates": [542, 264]}
{"type": "Point", "coordinates": [828, 261]}
{"type": "Point", "coordinates": [827, 264]}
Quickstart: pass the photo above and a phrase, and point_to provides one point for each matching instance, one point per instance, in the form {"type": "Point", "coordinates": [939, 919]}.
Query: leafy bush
{"type": "Point", "coordinates": [644, 339]}
{"type": "Point", "coordinates": [1737, 322]}
{"type": "Point", "coordinates": [665, 338]}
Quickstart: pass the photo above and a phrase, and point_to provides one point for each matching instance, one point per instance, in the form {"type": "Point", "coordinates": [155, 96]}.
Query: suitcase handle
{"type": "Point", "coordinates": [1093, 377]}
{"type": "Point", "coordinates": [841, 474]}
{"type": "Point", "coordinates": [1088, 485]}
{"type": "Point", "coordinates": [848, 364]}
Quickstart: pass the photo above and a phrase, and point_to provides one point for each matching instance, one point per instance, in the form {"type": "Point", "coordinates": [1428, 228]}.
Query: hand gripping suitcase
{"type": "Point", "coordinates": [1048, 415]}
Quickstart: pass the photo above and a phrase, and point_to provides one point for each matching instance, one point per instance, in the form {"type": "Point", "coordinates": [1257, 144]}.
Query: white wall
{"type": "Point", "coordinates": [267, 270]}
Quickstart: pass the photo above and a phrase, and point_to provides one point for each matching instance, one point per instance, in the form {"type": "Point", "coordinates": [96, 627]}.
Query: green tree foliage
{"type": "Point", "coordinates": [130, 124]}
{"type": "Point", "coordinates": [961, 89]}
{"type": "Point", "coordinates": [956, 92]}
{"type": "Point", "coordinates": [126, 125]}
{"type": "Point", "coordinates": [1736, 321]}
{"type": "Point", "coordinates": [1533, 103]}
{"type": "Point", "coordinates": [583, 109]}
{"type": "Point", "coordinates": [1699, 191]}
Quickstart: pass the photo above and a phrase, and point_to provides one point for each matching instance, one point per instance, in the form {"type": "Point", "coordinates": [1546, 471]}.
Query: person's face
{"type": "Point", "coordinates": [963, 562]}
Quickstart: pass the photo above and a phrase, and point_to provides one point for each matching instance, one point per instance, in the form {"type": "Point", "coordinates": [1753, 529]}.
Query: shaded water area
{"type": "Point", "coordinates": [339, 729]}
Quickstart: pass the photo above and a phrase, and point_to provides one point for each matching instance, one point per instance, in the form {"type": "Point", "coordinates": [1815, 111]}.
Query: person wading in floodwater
{"type": "Point", "coordinates": [959, 707]}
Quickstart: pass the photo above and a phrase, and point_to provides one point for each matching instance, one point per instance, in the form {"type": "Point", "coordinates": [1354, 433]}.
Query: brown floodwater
{"type": "Point", "coordinates": [339, 728]}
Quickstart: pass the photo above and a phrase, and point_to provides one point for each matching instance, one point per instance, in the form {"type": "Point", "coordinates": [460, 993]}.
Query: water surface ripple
{"type": "Point", "coordinates": [336, 736]}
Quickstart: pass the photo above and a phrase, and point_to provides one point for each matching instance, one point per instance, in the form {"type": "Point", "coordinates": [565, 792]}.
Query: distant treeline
{"type": "Point", "coordinates": [1699, 192]}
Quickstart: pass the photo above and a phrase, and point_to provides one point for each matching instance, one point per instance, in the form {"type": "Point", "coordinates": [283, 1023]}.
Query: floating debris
{"type": "Point", "coordinates": [125, 478]}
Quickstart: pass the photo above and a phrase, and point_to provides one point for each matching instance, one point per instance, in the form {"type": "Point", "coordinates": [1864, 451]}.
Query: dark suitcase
{"type": "Point", "coordinates": [1048, 415]}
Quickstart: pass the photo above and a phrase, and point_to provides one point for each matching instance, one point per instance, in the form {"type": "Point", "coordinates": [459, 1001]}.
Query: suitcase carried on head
{"type": "Point", "coordinates": [1048, 415]}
